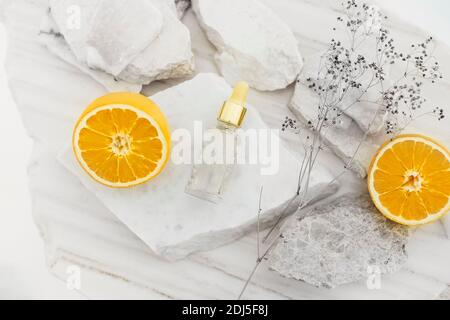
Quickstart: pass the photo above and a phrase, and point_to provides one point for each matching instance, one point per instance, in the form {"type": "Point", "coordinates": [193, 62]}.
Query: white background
{"type": "Point", "coordinates": [23, 274]}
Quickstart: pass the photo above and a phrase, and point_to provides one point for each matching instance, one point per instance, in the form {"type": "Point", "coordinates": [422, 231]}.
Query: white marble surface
{"type": "Point", "coordinates": [79, 230]}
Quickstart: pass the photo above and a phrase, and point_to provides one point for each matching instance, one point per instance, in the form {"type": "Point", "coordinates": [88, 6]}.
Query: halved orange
{"type": "Point", "coordinates": [122, 140]}
{"type": "Point", "coordinates": [409, 180]}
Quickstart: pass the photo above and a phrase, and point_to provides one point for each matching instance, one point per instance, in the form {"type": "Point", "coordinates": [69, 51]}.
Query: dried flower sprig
{"type": "Point", "coordinates": [347, 73]}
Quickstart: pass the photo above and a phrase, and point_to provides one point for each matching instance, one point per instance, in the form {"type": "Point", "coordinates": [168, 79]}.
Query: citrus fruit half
{"type": "Point", "coordinates": [122, 140]}
{"type": "Point", "coordinates": [409, 180]}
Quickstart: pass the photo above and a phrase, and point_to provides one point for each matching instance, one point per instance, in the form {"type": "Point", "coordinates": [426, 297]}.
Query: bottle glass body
{"type": "Point", "coordinates": [208, 178]}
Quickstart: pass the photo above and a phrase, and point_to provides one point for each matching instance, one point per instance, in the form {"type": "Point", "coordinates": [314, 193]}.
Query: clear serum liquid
{"type": "Point", "coordinates": [208, 180]}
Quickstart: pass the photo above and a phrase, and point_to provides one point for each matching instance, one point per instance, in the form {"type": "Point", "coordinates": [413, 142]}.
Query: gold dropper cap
{"type": "Point", "coordinates": [233, 110]}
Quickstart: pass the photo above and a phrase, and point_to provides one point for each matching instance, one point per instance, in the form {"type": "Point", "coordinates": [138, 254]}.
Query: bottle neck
{"type": "Point", "coordinates": [225, 126]}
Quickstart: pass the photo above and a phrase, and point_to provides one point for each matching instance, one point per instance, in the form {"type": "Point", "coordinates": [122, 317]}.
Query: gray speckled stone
{"type": "Point", "coordinates": [337, 242]}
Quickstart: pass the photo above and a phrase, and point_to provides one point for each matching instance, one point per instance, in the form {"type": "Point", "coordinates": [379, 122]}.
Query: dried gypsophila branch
{"type": "Point", "coordinates": [343, 79]}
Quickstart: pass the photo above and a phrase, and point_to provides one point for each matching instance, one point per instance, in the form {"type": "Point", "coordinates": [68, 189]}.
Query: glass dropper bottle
{"type": "Point", "coordinates": [208, 180]}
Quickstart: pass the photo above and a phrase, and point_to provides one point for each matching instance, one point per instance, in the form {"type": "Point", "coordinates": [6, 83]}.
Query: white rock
{"type": "Point", "coordinates": [120, 30]}
{"type": "Point", "coordinates": [339, 243]}
{"type": "Point", "coordinates": [139, 57]}
{"type": "Point", "coordinates": [345, 139]}
{"type": "Point", "coordinates": [51, 37]}
{"type": "Point", "coordinates": [189, 224]}
{"type": "Point", "coordinates": [370, 117]}
{"type": "Point", "coordinates": [253, 43]}
{"type": "Point", "coordinates": [113, 36]}
{"type": "Point", "coordinates": [368, 114]}
{"type": "Point", "coordinates": [74, 18]}
{"type": "Point", "coordinates": [169, 56]}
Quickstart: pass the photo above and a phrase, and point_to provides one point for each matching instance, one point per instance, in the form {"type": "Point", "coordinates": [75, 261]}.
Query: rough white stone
{"type": "Point", "coordinates": [167, 53]}
{"type": "Point", "coordinates": [52, 38]}
{"type": "Point", "coordinates": [113, 36]}
{"type": "Point", "coordinates": [345, 139]}
{"type": "Point", "coordinates": [74, 18]}
{"type": "Point", "coordinates": [169, 56]}
{"type": "Point", "coordinates": [338, 243]}
{"type": "Point", "coordinates": [134, 24]}
{"type": "Point", "coordinates": [189, 224]}
{"type": "Point", "coordinates": [253, 43]}
{"type": "Point", "coordinates": [367, 113]}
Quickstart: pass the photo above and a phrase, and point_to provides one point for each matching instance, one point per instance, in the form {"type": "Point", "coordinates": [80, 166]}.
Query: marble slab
{"type": "Point", "coordinates": [174, 224]}
{"type": "Point", "coordinates": [77, 229]}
